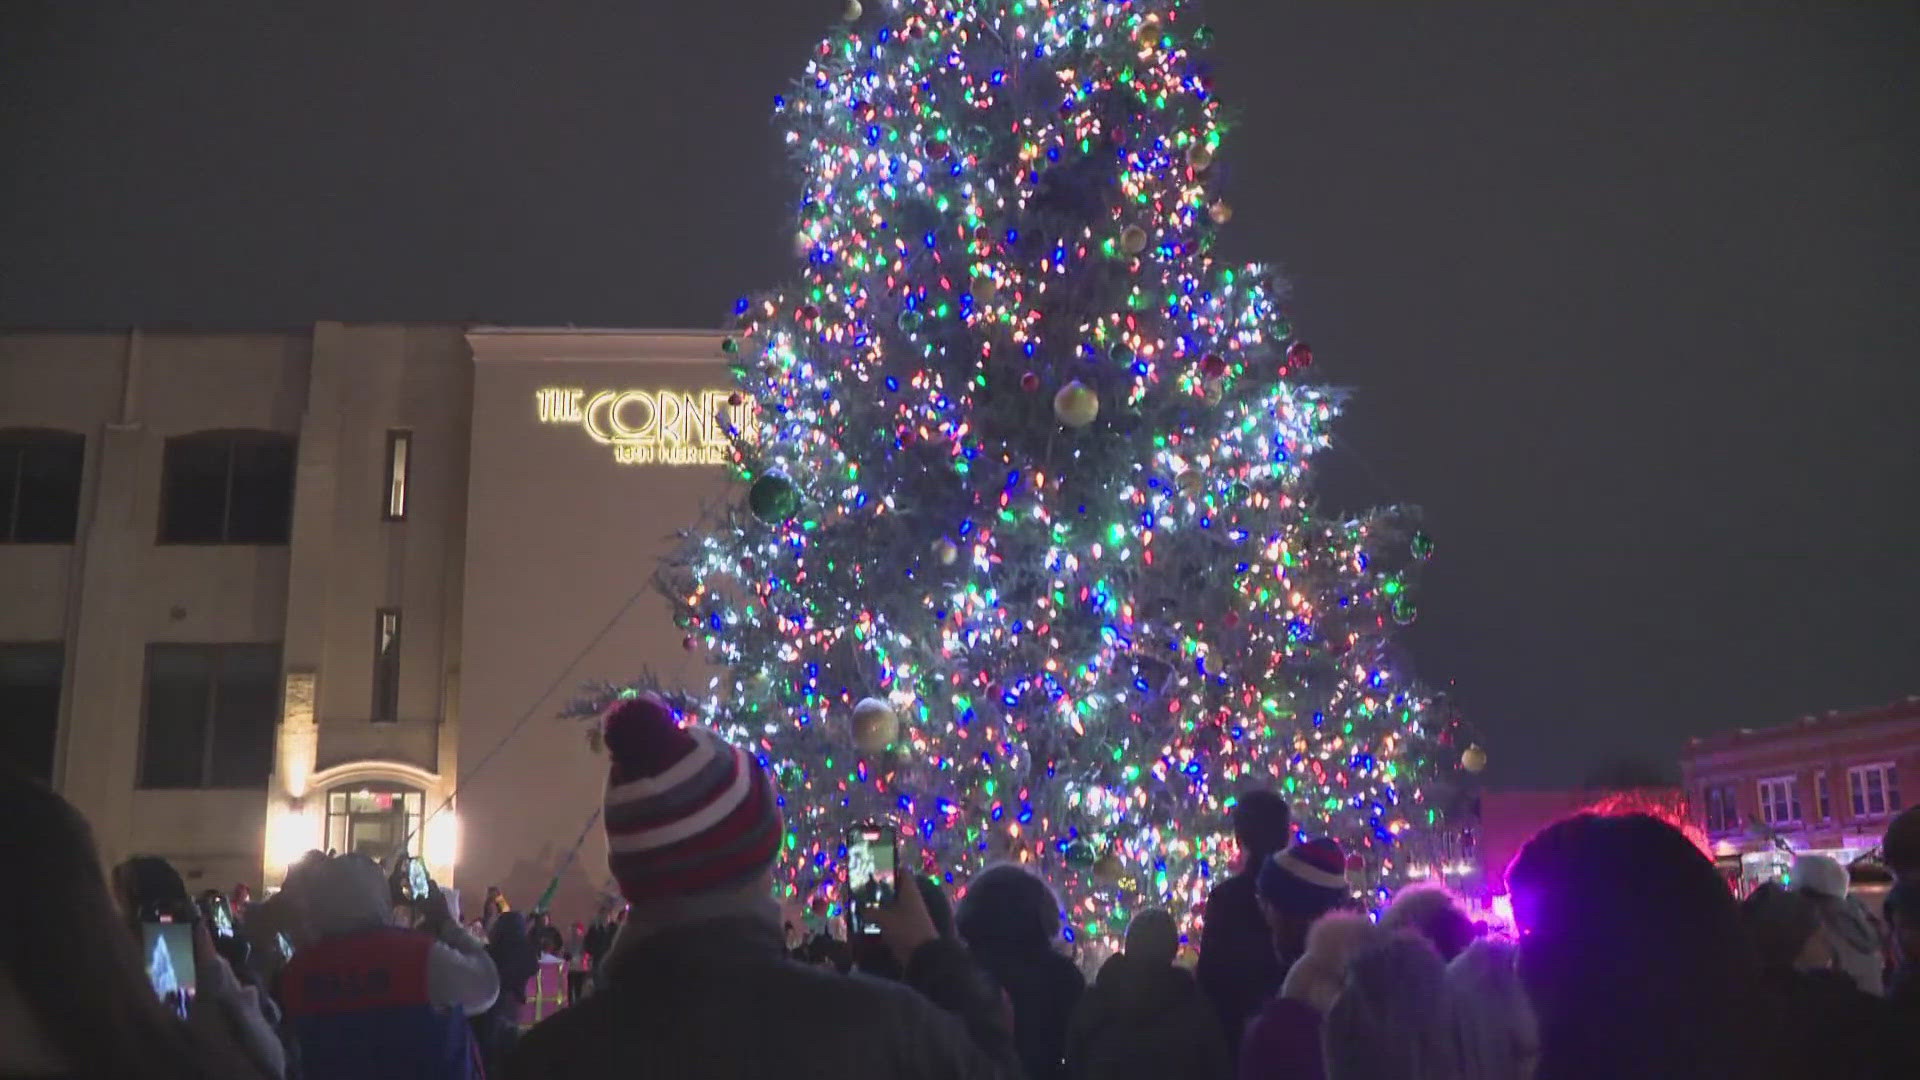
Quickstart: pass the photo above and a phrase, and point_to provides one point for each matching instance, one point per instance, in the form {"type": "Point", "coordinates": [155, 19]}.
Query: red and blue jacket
{"type": "Point", "coordinates": [360, 1010]}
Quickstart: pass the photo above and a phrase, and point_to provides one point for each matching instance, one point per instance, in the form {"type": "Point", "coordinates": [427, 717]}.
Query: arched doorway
{"type": "Point", "coordinates": [374, 818]}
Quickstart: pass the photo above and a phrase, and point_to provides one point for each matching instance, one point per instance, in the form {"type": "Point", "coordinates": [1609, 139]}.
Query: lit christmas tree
{"type": "Point", "coordinates": [1028, 565]}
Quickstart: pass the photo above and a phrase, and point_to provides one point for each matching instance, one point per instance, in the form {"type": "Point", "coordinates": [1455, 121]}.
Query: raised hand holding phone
{"type": "Point", "coordinates": [905, 924]}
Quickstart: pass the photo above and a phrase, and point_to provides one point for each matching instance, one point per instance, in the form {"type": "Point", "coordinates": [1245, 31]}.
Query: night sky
{"type": "Point", "coordinates": [1627, 292]}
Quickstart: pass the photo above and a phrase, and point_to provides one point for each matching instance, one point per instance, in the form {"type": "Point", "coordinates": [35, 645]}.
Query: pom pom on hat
{"type": "Point", "coordinates": [643, 738]}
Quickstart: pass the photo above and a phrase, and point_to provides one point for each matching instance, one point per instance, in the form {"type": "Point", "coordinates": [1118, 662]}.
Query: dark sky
{"type": "Point", "coordinates": [1628, 291]}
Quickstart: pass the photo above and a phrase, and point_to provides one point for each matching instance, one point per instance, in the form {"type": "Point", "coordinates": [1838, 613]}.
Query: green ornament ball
{"type": "Point", "coordinates": [910, 320]}
{"type": "Point", "coordinates": [1121, 353]}
{"type": "Point", "coordinates": [773, 498]}
{"type": "Point", "coordinates": [1422, 546]}
{"type": "Point", "coordinates": [1404, 610]}
{"type": "Point", "coordinates": [1080, 854]}
{"type": "Point", "coordinates": [729, 346]}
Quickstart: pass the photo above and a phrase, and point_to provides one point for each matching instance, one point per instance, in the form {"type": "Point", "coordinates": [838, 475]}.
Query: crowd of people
{"type": "Point", "coordinates": [1632, 959]}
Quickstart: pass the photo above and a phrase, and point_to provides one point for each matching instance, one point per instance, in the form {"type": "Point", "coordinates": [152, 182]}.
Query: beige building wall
{"type": "Point", "coordinates": [562, 543]}
{"type": "Point", "coordinates": [116, 590]}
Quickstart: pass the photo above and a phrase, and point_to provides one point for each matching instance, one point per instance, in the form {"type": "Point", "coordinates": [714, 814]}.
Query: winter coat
{"type": "Point", "coordinates": [1238, 969]}
{"type": "Point", "coordinates": [1146, 1021]}
{"type": "Point", "coordinates": [720, 1000]}
{"type": "Point", "coordinates": [1044, 988]}
{"type": "Point", "coordinates": [1859, 947]}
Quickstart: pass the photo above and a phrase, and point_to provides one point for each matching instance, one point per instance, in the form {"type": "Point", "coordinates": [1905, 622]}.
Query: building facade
{"type": "Point", "coordinates": [1826, 784]}
{"type": "Point", "coordinates": [248, 580]}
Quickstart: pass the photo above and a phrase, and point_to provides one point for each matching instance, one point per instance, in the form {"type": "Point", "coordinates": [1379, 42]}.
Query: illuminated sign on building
{"type": "Point", "coordinates": [649, 427]}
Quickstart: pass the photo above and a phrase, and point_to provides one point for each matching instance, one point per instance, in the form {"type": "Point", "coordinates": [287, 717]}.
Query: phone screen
{"type": "Point", "coordinates": [168, 950]}
{"type": "Point", "coordinates": [417, 879]}
{"type": "Point", "coordinates": [222, 917]}
{"type": "Point", "coordinates": [870, 872]}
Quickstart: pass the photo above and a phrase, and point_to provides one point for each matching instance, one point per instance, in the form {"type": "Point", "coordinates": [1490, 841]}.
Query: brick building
{"type": "Point", "coordinates": [1825, 784]}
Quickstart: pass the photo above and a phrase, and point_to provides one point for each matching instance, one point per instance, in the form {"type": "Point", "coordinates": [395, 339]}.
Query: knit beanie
{"type": "Point", "coordinates": [686, 813]}
{"type": "Point", "coordinates": [1306, 879]}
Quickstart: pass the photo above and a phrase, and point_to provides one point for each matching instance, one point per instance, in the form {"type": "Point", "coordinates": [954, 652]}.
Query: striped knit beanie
{"type": "Point", "coordinates": [686, 812]}
{"type": "Point", "coordinates": [1306, 879]}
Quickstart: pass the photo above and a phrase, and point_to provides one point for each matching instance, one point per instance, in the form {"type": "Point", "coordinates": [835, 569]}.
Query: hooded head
{"type": "Point", "coordinates": [344, 895]}
{"type": "Point", "coordinates": [1152, 938]}
{"type": "Point", "coordinates": [1390, 1020]}
{"type": "Point", "coordinates": [1008, 912]}
{"type": "Point", "coordinates": [690, 820]}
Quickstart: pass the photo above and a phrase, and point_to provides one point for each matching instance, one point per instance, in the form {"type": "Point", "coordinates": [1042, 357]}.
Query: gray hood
{"type": "Point", "coordinates": [344, 895]}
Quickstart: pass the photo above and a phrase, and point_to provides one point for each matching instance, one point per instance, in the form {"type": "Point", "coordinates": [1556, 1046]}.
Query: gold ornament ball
{"type": "Point", "coordinates": [1200, 157]}
{"type": "Point", "coordinates": [802, 244]}
{"type": "Point", "coordinates": [1191, 482]}
{"type": "Point", "coordinates": [875, 725]}
{"type": "Point", "coordinates": [1076, 405]}
{"type": "Point", "coordinates": [1133, 239]}
{"type": "Point", "coordinates": [1107, 870]}
{"type": "Point", "coordinates": [1473, 759]}
{"type": "Point", "coordinates": [853, 10]}
{"type": "Point", "coordinates": [1221, 212]}
{"type": "Point", "coordinates": [1213, 392]}
{"type": "Point", "coordinates": [946, 551]}
{"type": "Point", "coordinates": [984, 288]}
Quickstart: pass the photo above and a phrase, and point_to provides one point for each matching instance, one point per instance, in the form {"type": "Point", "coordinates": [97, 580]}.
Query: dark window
{"type": "Point", "coordinates": [227, 487]}
{"type": "Point", "coordinates": [30, 705]}
{"type": "Point", "coordinates": [386, 664]}
{"type": "Point", "coordinates": [210, 716]}
{"type": "Point", "coordinates": [1723, 811]}
{"type": "Point", "coordinates": [399, 463]}
{"type": "Point", "coordinates": [1825, 797]}
{"type": "Point", "coordinates": [40, 485]}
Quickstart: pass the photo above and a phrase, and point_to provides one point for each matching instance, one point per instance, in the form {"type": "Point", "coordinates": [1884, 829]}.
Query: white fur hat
{"type": "Point", "coordinates": [1820, 874]}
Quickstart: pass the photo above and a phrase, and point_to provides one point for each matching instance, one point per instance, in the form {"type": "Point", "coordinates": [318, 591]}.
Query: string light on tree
{"type": "Point", "coordinates": [1069, 628]}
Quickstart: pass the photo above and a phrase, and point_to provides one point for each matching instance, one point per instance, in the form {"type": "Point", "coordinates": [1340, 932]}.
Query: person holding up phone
{"type": "Point", "coordinates": [368, 999]}
{"type": "Point", "coordinates": [75, 999]}
{"type": "Point", "coordinates": [699, 983]}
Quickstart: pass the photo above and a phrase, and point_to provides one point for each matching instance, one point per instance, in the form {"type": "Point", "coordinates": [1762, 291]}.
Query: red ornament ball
{"type": "Point", "coordinates": [1030, 382]}
{"type": "Point", "coordinates": [1233, 618]}
{"type": "Point", "coordinates": [1300, 354]}
{"type": "Point", "coordinates": [734, 398]}
{"type": "Point", "coordinates": [1214, 365]}
{"type": "Point", "coordinates": [808, 312]}
{"type": "Point", "coordinates": [820, 905]}
{"type": "Point", "coordinates": [938, 148]}
{"type": "Point", "coordinates": [688, 643]}
{"type": "Point", "coordinates": [1355, 863]}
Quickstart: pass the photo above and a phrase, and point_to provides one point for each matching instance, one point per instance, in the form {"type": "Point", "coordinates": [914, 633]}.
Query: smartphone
{"type": "Point", "coordinates": [219, 915]}
{"type": "Point", "coordinates": [168, 952]}
{"type": "Point", "coordinates": [417, 883]}
{"type": "Point", "coordinates": [871, 881]}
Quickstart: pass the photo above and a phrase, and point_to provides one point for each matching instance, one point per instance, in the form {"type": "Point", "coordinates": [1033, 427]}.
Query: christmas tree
{"type": "Point", "coordinates": [1028, 563]}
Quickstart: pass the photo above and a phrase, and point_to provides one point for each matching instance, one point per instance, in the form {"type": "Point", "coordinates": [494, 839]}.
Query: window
{"type": "Point", "coordinates": [30, 705]}
{"type": "Point", "coordinates": [1723, 810]}
{"type": "Point", "coordinates": [399, 461]}
{"type": "Point", "coordinates": [210, 716]}
{"type": "Point", "coordinates": [227, 487]}
{"type": "Point", "coordinates": [373, 819]}
{"type": "Point", "coordinates": [1780, 801]}
{"type": "Point", "coordinates": [1822, 796]}
{"type": "Point", "coordinates": [1875, 789]}
{"type": "Point", "coordinates": [40, 485]}
{"type": "Point", "coordinates": [386, 664]}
